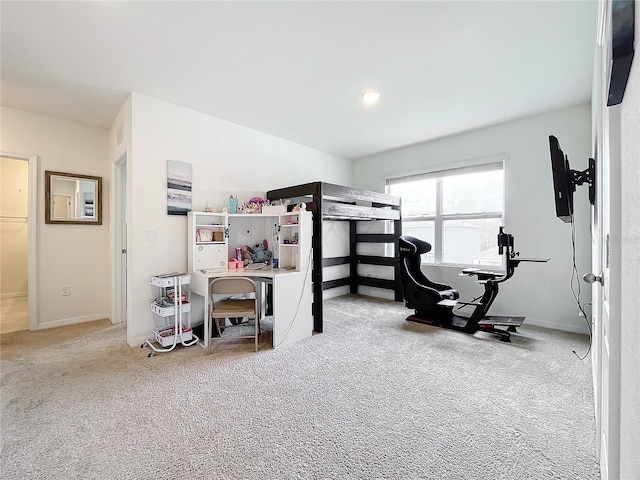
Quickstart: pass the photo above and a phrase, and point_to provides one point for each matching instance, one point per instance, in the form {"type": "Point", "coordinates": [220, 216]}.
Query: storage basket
{"type": "Point", "coordinates": [165, 311]}
{"type": "Point", "coordinates": [167, 280]}
{"type": "Point", "coordinates": [165, 336]}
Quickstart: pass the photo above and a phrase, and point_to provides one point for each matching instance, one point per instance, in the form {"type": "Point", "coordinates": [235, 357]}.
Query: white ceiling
{"type": "Point", "coordinates": [296, 69]}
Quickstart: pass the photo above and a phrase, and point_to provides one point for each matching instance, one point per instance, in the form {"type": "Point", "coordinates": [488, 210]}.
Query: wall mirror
{"type": "Point", "coordinates": [72, 199]}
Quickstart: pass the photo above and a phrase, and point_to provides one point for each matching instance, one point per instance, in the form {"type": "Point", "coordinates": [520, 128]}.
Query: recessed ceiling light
{"type": "Point", "coordinates": [370, 97]}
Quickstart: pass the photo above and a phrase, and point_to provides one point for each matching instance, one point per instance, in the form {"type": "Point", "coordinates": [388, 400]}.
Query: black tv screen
{"type": "Point", "coordinates": [563, 185]}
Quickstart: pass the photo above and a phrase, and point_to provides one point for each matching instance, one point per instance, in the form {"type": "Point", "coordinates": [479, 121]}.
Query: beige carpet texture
{"type": "Point", "coordinates": [373, 397]}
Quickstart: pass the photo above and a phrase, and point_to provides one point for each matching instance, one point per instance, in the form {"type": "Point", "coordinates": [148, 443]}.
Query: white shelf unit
{"type": "Point", "coordinates": [294, 238]}
{"type": "Point", "coordinates": [208, 241]}
{"type": "Point", "coordinates": [172, 306]}
{"type": "Point", "coordinates": [289, 236]}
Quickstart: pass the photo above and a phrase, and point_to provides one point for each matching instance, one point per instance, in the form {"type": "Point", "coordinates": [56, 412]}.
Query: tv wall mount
{"type": "Point", "coordinates": [587, 175]}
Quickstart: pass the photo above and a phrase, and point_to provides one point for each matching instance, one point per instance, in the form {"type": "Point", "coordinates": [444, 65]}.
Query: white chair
{"type": "Point", "coordinates": [233, 308]}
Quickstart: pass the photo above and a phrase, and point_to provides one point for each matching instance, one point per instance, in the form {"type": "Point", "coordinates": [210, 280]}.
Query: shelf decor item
{"type": "Point", "coordinates": [233, 204]}
{"type": "Point", "coordinates": [254, 205]}
{"type": "Point", "coordinates": [204, 235]}
{"type": "Point", "coordinates": [274, 209]}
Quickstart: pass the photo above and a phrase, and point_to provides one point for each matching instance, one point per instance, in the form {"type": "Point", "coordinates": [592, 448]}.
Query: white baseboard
{"type": "Point", "coordinates": [572, 328]}
{"type": "Point", "coordinates": [335, 292]}
{"type": "Point", "coordinates": [73, 320]}
{"type": "Point", "coordinates": [14, 295]}
{"type": "Point", "coordinates": [136, 342]}
{"type": "Point", "coordinates": [376, 292]}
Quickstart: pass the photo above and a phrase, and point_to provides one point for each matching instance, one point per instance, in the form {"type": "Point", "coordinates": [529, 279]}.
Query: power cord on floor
{"type": "Point", "coordinates": [575, 290]}
{"type": "Point", "coordinates": [304, 283]}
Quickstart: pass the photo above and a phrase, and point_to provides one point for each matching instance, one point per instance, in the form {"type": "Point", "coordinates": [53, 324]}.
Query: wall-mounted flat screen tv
{"type": "Point", "coordinates": [565, 180]}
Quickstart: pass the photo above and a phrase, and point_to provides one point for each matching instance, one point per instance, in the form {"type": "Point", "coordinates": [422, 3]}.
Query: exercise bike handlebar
{"type": "Point", "coordinates": [505, 241]}
{"type": "Point", "coordinates": [505, 247]}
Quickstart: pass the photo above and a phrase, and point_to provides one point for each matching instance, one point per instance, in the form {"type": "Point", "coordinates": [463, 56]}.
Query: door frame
{"type": "Point", "coordinates": [32, 234]}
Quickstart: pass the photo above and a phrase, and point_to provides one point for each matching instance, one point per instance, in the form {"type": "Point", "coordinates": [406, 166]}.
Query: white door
{"type": "Point", "coordinates": [120, 241]}
{"type": "Point", "coordinates": [606, 295]}
{"type": "Point", "coordinates": [606, 258]}
{"type": "Point", "coordinates": [61, 207]}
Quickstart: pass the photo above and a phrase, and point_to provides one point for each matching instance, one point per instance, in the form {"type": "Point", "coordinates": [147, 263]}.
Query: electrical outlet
{"type": "Point", "coordinates": [66, 290]}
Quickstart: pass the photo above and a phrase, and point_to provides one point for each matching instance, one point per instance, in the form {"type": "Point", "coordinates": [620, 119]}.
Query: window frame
{"type": "Point", "coordinates": [439, 218]}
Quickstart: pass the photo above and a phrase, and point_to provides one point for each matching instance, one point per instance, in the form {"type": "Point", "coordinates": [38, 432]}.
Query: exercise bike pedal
{"type": "Point", "coordinates": [505, 339]}
{"type": "Point", "coordinates": [501, 320]}
{"type": "Point", "coordinates": [503, 335]}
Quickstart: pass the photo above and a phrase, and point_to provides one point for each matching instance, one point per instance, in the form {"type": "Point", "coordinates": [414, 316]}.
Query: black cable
{"type": "Point", "coordinates": [575, 280]}
{"type": "Point", "coordinates": [304, 282]}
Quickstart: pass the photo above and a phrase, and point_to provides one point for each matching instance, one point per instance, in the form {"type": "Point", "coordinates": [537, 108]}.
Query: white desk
{"type": "Point", "coordinates": [292, 297]}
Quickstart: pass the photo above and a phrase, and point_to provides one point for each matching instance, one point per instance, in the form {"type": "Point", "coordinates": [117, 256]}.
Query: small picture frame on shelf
{"type": "Point", "coordinates": [204, 235]}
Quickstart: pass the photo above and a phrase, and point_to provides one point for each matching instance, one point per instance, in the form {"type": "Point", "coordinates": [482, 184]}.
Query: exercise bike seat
{"type": "Point", "coordinates": [419, 292]}
{"type": "Point", "coordinates": [450, 294]}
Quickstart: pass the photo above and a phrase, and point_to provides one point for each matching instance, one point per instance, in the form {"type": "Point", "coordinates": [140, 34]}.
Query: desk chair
{"type": "Point", "coordinates": [233, 308]}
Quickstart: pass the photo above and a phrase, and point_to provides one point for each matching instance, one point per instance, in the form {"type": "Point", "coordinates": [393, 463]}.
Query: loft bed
{"type": "Point", "coordinates": [330, 202]}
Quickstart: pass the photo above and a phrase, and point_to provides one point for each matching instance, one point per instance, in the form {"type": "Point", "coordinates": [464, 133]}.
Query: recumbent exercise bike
{"type": "Point", "coordinates": [434, 303]}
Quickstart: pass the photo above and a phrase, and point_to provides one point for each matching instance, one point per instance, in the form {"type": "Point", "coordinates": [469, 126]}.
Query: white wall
{"type": "Point", "coordinates": [225, 158]}
{"type": "Point", "coordinates": [74, 255]}
{"type": "Point", "coordinates": [541, 292]}
{"type": "Point", "coordinates": [630, 274]}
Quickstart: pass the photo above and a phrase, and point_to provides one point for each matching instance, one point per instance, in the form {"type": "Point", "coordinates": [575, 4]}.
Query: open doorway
{"type": "Point", "coordinates": [18, 299]}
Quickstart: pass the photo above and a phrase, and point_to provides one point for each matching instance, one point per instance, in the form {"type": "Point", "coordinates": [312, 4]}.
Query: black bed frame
{"type": "Point", "coordinates": [334, 202]}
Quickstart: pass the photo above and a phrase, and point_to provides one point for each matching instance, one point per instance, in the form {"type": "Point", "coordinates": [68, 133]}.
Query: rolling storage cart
{"type": "Point", "coordinates": [174, 303]}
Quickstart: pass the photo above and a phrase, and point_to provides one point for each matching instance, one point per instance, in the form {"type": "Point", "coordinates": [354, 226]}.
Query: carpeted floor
{"type": "Point", "coordinates": [373, 397]}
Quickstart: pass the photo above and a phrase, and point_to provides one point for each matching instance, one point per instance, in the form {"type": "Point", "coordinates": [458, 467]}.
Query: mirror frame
{"type": "Point", "coordinates": [47, 198]}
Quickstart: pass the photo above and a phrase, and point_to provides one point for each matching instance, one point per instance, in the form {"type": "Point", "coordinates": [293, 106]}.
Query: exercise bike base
{"type": "Point", "coordinates": [454, 323]}
{"type": "Point", "coordinates": [487, 324]}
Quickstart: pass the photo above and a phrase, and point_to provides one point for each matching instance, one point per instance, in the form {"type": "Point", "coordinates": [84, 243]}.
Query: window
{"type": "Point", "coordinates": [458, 211]}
